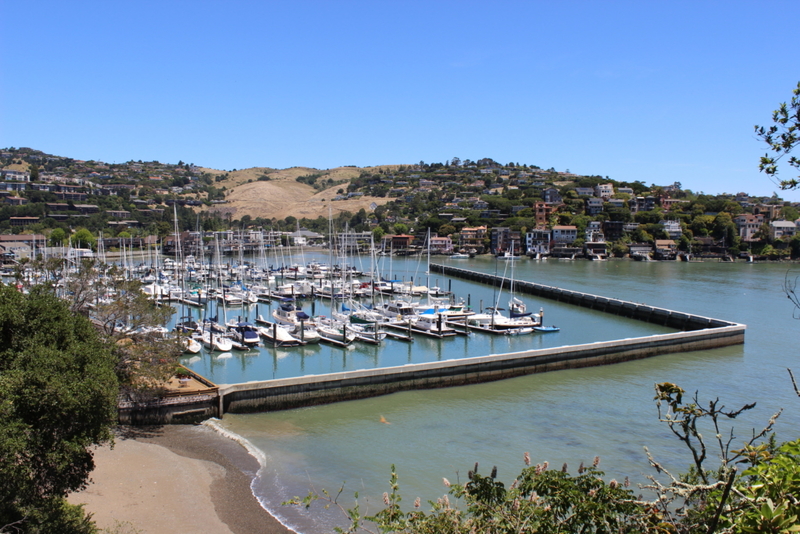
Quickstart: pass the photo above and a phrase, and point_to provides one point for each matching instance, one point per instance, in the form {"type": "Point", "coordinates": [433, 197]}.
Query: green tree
{"type": "Point", "coordinates": [82, 238]}
{"type": "Point", "coordinates": [447, 229]}
{"type": "Point", "coordinates": [790, 213]}
{"type": "Point", "coordinates": [400, 228]}
{"type": "Point", "coordinates": [782, 137]}
{"type": "Point", "coordinates": [58, 395]}
{"type": "Point", "coordinates": [57, 237]}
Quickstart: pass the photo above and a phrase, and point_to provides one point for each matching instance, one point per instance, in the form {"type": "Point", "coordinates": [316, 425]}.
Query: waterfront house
{"type": "Point", "coordinates": [565, 234]}
{"type": "Point", "coordinates": [665, 249]}
{"type": "Point", "coordinates": [504, 239]}
{"type": "Point", "coordinates": [538, 241]}
{"type": "Point", "coordinates": [14, 251]}
{"type": "Point", "coordinates": [473, 237]}
{"type": "Point", "coordinates": [640, 249]}
{"type": "Point", "coordinates": [441, 245]}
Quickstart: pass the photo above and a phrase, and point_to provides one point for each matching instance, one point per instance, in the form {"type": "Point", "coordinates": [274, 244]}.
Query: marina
{"type": "Point", "coordinates": [564, 416]}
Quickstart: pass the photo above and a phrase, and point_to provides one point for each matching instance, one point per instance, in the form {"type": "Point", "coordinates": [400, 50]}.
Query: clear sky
{"type": "Point", "coordinates": [657, 91]}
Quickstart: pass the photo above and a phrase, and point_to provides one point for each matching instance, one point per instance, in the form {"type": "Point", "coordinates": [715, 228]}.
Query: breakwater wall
{"type": "Point", "coordinates": [642, 312]}
{"type": "Point", "coordinates": [695, 333]}
{"type": "Point", "coordinates": [288, 393]}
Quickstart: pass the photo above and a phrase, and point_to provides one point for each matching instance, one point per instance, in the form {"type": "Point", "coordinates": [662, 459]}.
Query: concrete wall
{"type": "Point", "coordinates": [172, 410]}
{"type": "Point", "coordinates": [642, 312]}
{"type": "Point", "coordinates": [320, 389]}
{"type": "Point", "coordinates": [697, 333]}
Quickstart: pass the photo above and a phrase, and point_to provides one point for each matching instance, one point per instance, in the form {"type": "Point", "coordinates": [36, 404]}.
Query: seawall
{"type": "Point", "coordinates": [696, 333]}
{"type": "Point", "coordinates": [633, 310]}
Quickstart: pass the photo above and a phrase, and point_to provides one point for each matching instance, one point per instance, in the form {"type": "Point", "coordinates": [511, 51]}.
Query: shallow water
{"type": "Point", "coordinates": [565, 416]}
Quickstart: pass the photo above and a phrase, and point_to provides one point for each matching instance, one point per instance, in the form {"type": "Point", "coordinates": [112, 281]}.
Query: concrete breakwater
{"type": "Point", "coordinates": [288, 393]}
{"type": "Point", "coordinates": [696, 333]}
{"type": "Point", "coordinates": [633, 310]}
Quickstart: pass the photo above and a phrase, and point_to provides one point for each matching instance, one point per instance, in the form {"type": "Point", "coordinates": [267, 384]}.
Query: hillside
{"type": "Point", "coordinates": [282, 195]}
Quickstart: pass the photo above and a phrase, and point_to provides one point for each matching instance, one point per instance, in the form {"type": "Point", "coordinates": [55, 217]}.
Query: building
{"type": "Point", "coordinates": [642, 204]}
{"type": "Point", "coordinates": [770, 211]}
{"type": "Point", "coordinates": [542, 213]}
{"type": "Point", "coordinates": [747, 225]}
{"type": "Point", "coordinates": [594, 206]}
{"type": "Point", "coordinates": [604, 191]}
{"type": "Point", "coordinates": [505, 240]}
{"type": "Point", "coordinates": [594, 233]}
{"type": "Point", "coordinates": [32, 240]}
{"type": "Point", "coordinates": [672, 228]}
{"type": "Point", "coordinates": [23, 221]}
{"type": "Point", "coordinates": [15, 176]}
{"type": "Point", "coordinates": [551, 196]}
{"type": "Point", "coordinates": [538, 242]}
{"type": "Point", "coordinates": [565, 234]}
{"type": "Point", "coordinates": [441, 245]}
{"type": "Point", "coordinates": [613, 230]}
{"type": "Point", "coordinates": [781, 229]}
{"type": "Point", "coordinates": [473, 238]}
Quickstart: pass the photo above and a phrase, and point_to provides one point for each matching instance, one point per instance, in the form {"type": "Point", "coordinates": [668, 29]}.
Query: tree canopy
{"type": "Point", "coordinates": [58, 392]}
{"type": "Point", "coordinates": [782, 137]}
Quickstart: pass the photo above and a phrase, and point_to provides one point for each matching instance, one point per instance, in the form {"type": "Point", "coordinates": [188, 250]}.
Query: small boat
{"type": "Point", "coordinates": [508, 255]}
{"type": "Point", "coordinates": [191, 345]}
{"type": "Point", "coordinates": [245, 333]}
{"type": "Point", "coordinates": [288, 314]}
{"type": "Point", "coordinates": [216, 342]}
{"type": "Point", "coordinates": [546, 329]}
{"type": "Point", "coordinates": [276, 335]}
{"type": "Point", "coordinates": [459, 256]}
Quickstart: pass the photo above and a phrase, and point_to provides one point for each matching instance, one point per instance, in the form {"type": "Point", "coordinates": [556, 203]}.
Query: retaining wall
{"type": "Point", "coordinates": [171, 410]}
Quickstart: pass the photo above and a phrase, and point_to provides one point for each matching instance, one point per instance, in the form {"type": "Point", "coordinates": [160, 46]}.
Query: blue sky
{"type": "Point", "coordinates": [649, 90]}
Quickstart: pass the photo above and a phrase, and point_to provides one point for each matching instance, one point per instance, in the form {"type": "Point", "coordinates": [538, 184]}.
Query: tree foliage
{"type": "Point", "coordinates": [782, 137]}
{"type": "Point", "coordinates": [58, 392]}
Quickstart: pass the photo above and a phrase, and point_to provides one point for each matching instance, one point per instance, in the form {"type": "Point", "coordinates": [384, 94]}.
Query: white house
{"type": "Point", "coordinates": [781, 229]}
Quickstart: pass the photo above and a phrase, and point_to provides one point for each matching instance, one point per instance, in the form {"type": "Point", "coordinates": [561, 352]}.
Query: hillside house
{"type": "Point", "coordinates": [747, 225]}
{"type": "Point", "coordinates": [781, 229]}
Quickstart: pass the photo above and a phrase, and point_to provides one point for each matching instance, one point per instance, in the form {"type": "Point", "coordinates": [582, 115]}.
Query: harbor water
{"type": "Point", "coordinates": [565, 416]}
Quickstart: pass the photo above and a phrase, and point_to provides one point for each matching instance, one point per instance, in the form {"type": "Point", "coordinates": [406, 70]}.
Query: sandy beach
{"type": "Point", "coordinates": [167, 479]}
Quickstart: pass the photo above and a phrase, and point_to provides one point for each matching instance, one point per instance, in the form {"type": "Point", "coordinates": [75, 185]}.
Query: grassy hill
{"type": "Point", "coordinates": [271, 193]}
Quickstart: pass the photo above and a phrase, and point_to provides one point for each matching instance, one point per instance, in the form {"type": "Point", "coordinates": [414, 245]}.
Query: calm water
{"type": "Point", "coordinates": [566, 416]}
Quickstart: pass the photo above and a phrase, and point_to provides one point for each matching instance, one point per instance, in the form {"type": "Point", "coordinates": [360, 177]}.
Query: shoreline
{"type": "Point", "coordinates": [176, 478]}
